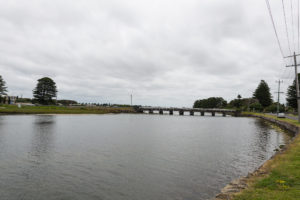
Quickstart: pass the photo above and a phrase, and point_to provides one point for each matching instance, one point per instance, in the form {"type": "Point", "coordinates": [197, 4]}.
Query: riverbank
{"type": "Point", "coordinates": [278, 178]}
{"type": "Point", "coordinates": [13, 109]}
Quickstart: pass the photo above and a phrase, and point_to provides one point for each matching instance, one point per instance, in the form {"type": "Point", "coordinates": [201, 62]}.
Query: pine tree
{"type": "Point", "coordinates": [262, 94]}
{"type": "Point", "coordinates": [45, 91]}
{"type": "Point", "coordinates": [3, 88]}
{"type": "Point", "coordinates": [239, 101]}
{"type": "Point", "coordinates": [292, 95]}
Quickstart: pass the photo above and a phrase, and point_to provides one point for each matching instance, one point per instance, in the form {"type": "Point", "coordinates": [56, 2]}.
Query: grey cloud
{"type": "Point", "coordinates": [165, 52]}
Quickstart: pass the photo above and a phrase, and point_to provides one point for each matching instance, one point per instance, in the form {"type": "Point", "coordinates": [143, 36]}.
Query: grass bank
{"type": "Point", "coordinates": [13, 109]}
{"type": "Point", "coordinates": [278, 178]}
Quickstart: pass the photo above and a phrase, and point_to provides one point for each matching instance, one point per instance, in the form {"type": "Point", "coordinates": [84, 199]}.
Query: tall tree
{"type": "Point", "coordinates": [45, 91]}
{"type": "Point", "coordinates": [3, 88]}
{"type": "Point", "coordinates": [239, 102]}
{"type": "Point", "coordinates": [292, 95]}
{"type": "Point", "coordinates": [262, 94]}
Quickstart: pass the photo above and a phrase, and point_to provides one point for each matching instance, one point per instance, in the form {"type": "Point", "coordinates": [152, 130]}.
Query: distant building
{"type": "Point", "coordinates": [9, 99]}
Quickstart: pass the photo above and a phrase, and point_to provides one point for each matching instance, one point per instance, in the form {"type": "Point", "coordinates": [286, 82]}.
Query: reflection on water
{"type": "Point", "coordinates": [42, 145]}
{"type": "Point", "coordinates": [128, 157]}
{"type": "Point", "coordinates": [1, 136]}
{"type": "Point", "coordinates": [43, 135]}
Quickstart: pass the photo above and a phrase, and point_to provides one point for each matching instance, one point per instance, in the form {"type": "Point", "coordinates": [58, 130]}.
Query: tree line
{"type": "Point", "coordinates": [261, 100]}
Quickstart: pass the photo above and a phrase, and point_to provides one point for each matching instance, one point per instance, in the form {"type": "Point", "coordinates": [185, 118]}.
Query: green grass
{"type": "Point", "coordinates": [282, 181]}
{"type": "Point", "coordinates": [290, 114]}
{"type": "Point", "coordinates": [13, 109]}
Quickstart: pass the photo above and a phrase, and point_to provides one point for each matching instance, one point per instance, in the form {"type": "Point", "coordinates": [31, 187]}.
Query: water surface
{"type": "Point", "coordinates": [128, 157]}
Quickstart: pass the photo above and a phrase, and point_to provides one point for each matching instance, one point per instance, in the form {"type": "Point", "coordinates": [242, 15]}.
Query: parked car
{"type": "Point", "coordinates": [281, 115]}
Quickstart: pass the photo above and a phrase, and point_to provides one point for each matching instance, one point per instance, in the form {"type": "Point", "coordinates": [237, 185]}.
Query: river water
{"type": "Point", "coordinates": [127, 156]}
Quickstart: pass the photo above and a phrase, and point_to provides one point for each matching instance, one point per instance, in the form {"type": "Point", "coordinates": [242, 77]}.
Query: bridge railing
{"type": "Point", "coordinates": [188, 109]}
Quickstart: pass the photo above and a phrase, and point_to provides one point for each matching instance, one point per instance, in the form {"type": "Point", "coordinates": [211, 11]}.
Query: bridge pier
{"type": "Point", "coordinates": [191, 111]}
{"type": "Point", "coordinates": [237, 113]}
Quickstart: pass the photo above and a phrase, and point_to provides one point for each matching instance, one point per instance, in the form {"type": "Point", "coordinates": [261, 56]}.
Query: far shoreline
{"type": "Point", "coordinates": [39, 110]}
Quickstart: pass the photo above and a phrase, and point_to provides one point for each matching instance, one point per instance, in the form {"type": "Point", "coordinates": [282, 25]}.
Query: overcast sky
{"type": "Point", "coordinates": [165, 52]}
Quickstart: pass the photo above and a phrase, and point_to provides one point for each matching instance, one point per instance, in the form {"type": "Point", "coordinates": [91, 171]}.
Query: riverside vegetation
{"type": "Point", "coordinates": [13, 109]}
{"type": "Point", "coordinates": [281, 177]}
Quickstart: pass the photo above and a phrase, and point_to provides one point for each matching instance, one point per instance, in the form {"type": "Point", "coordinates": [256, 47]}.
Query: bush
{"type": "Point", "coordinates": [256, 107]}
{"type": "Point", "coordinates": [273, 108]}
{"type": "Point", "coordinates": [212, 102]}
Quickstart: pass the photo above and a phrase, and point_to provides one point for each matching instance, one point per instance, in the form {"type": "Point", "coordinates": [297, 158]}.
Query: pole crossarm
{"type": "Point", "coordinates": [291, 56]}
{"type": "Point", "coordinates": [292, 65]}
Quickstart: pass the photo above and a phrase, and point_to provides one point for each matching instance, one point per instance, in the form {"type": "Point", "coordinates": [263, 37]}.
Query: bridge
{"type": "Point", "coordinates": [191, 111]}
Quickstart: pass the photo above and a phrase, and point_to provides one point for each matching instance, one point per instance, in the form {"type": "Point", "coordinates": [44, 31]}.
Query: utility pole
{"type": "Point", "coordinates": [297, 81]}
{"type": "Point", "coordinates": [131, 99]}
{"type": "Point", "coordinates": [278, 100]}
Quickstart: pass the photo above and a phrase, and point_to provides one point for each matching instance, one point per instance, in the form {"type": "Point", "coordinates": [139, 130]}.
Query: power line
{"type": "Point", "coordinates": [286, 27]}
{"type": "Point", "coordinates": [285, 73]}
{"type": "Point", "coordinates": [276, 34]}
{"type": "Point", "coordinates": [292, 16]}
{"type": "Point", "coordinates": [298, 28]}
{"type": "Point", "coordinates": [297, 81]}
{"type": "Point", "coordinates": [274, 27]}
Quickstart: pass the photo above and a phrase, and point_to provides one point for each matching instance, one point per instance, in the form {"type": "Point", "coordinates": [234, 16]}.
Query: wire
{"type": "Point", "coordinates": [292, 16]}
{"type": "Point", "coordinates": [274, 27]}
{"type": "Point", "coordinates": [298, 29]}
{"type": "Point", "coordinates": [286, 27]}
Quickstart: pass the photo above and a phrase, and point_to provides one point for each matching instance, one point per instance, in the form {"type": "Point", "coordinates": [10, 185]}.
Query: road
{"type": "Point", "coordinates": [286, 116]}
